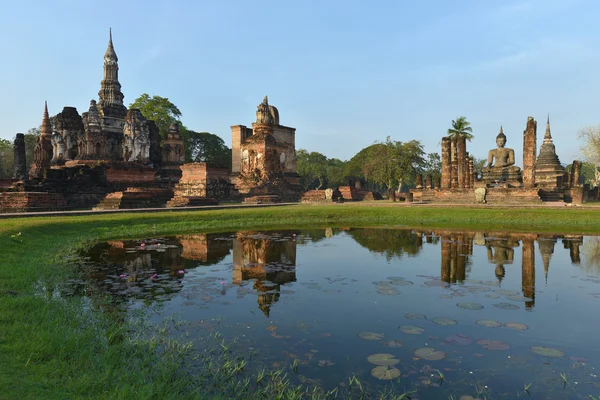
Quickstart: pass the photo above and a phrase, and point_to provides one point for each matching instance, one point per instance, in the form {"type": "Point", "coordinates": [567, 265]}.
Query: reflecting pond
{"type": "Point", "coordinates": [500, 315]}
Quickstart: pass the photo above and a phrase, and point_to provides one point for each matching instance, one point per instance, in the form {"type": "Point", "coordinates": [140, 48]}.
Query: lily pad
{"type": "Point", "coordinates": [516, 326]}
{"type": "Point", "coordinates": [385, 373]}
{"type": "Point", "coordinates": [459, 340]}
{"type": "Point", "coordinates": [430, 354]}
{"type": "Point", "coordinates": [393, 343]}
{"type": "Point", "coordinates": [411, 330]}
{"type": "Point", "coordinates": [383, 359]}
{"type": "Point", "coordinates": [492, 296]}
{"type": "Point", "coordinates": [444, 321]}
{"type": "Point", "coordinates": [401, 283]}
{"type": "Point", "coordinates": [506, 306]}
{"type": "Point", "coordinates": [506, 292]}
{"type": "Point", "coordinates": [370, 335]}
{"type": "Point", "coordinates": [387, 291]}
{"type": "Point", "coordinates": [547, 351]}
{"type": "Point", "coordinates": [493, 345]}
{"type": "Point", "coordinates": [470, 306]}
{"type": "Point", "coordinates": [488, 323]}
{"type": "Point", "coordinates": [477, 289]}
{"type": "Point", "coordinates": [414, 316]}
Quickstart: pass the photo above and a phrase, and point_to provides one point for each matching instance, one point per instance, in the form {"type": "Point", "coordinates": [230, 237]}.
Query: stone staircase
{"type": "Point", "coordinates": [551, 195]}
{"type": "Point", "coordinates": [135, 198]}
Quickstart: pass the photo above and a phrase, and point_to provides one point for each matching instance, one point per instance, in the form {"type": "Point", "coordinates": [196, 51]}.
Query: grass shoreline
{"type": "Point", "coordinates": [56, 348]}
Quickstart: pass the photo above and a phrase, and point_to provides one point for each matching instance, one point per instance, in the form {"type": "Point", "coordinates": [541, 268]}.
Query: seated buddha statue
{"type": "Point", "coordinates": [500, 164]}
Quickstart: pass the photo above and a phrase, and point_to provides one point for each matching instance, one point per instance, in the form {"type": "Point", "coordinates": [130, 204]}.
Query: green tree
{"type": "Point", "coordinates": [433, 165]}
{"type": "Point", "coordinates": [6, 159]}
{"type": "Point", "coordinates": [394, 163]}
{"type": "Point", "coordinates": [335, 172]}
{"type": "Point", "coordinates": [312, 168]}
{"type": "Point", "coordinates": [590, 150]}
{"type": "Point", "coordinates": [461, 127]}
{"type": "Point", "coordinates": [209, 148]}
{"type": "Point", "coordinates": [163, 112]}
{"type": "Point", "coordinates": [158, 109]}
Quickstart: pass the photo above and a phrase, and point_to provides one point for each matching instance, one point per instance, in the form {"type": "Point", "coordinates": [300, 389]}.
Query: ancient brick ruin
{"type": "Point", "coordinates": [502, 182]}
{"type": "Point", "coordinates": [264, 159]}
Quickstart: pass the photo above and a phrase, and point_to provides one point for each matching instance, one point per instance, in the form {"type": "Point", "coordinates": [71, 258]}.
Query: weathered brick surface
{"type": "Point", "coordinates": [349, 193]}
{"type": "Point", "coordinates": [31, 201]}
{"type": "Point", "coordinates": [529, 152]}
{"type": "Point", "coordinates": [446, 179]}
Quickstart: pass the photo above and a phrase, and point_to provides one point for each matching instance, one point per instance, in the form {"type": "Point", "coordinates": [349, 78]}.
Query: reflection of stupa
{"type": "Point", "coordinates": [546, 246]}
{"type": "Point", "coordinates": [269, 260]}
{"type": "Point", "coordinates": [206, 248]}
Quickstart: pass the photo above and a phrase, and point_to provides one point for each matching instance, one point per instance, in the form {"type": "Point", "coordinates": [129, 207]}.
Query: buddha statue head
{"type": "Point", "coordinates": [501, 138]}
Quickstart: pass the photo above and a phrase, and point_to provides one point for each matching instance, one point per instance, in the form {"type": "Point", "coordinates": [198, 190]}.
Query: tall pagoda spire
{"type": "Point", "coordinates": [547, 135]}
{"type": "Point", "coordinates": [110, 91]}
{"type": "Point", "coordinates": [46, 129]}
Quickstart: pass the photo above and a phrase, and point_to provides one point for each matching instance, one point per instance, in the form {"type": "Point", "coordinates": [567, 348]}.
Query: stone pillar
{"type": "Point", "coordinates": [461, 144]}
{"type": "Point", "coordinates": [575, 173]}
{"type": "Point", "coordinates": [428, 181]}
{"type": "Point", "coordinates": [454, 158]}
{"type": "Point", "coordinates": [446, 164]}
{"type": "Point", "coordinates": [528, 272]}
{"type": "Point", "coordinates": [529, 152]}
{"type": "Point", "coordinates": [437, 182]}
{"type": "Point", "coordinates": [419, 184]}
{"type": "Point", "coordinates": [471, 173]}
{"type": "Point", "coordinates": [20, 164]}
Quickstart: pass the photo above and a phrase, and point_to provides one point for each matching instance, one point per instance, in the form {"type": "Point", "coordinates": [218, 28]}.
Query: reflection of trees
{"type": "Point", "coordinates": [591, 254]}
{"type": "Point", "coordinates": [393, 243]}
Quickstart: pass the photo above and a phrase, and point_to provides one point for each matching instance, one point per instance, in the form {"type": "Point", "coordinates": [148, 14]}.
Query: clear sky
{"type": "Point", "coordinates": [344, 73]}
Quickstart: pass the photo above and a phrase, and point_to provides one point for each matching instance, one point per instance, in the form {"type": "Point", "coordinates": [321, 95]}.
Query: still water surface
{"type": "Point", "coordinates": [493, 312]}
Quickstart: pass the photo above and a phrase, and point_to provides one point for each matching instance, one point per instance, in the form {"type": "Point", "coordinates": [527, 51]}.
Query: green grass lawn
{"type": "Point", "coordinates": [67, 348]}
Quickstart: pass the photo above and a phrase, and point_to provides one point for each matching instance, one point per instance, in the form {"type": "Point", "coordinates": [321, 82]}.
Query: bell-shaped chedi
{"type": "Point", "coordinates": [547, 166]}
{"type": "Point", "coordinates": [42, 154]}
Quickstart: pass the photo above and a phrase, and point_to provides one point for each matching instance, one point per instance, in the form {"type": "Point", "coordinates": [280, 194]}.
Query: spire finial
{"type": "Point", "coordinates": [266, 100]}
{"type": "Point", "coordinates": [548, 135]}
{"type": "Point", "coordinates": [110, 35]}
{"type": "Point", "coordinates": [501, 131]}
{"type": "Point", "coordinates": [46, 129]}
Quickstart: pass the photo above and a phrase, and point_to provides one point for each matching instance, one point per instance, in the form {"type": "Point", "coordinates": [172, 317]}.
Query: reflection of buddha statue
{"type": "Point", "coordinates": [500, 165]}
{"type": "Point", "coordinates": [500, 252]}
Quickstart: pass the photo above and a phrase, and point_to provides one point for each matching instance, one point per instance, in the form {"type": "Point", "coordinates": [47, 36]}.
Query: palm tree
{"type": "Point", "coordinates": [461, 127]}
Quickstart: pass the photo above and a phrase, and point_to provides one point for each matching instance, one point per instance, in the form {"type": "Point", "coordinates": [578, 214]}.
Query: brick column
{"type": "Point", "coordinates": [445, 267]}
{"type": "Point", "coordinates": [428, 181]}
{"type": "Point", "coordinates": [419, 183]}
{"type": "Point", "coordinates": [461, 144]}
{"type": "Point", "coordinates": [471, 173]}
{"type": "Point", "coordinates": [575, 173]}
{"type": "Point", "coordinates": [454, 158]}
{"type": "Point", "coordinates": [529, 152]}
{"type": "Point", "coordinates": [446, 164]}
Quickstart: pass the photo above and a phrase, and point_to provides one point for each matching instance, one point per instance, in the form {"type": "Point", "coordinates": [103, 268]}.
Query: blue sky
{"type": "Point", "coordinates": [343, 73]}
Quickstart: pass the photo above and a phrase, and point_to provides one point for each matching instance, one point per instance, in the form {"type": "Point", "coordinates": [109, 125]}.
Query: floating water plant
{"type": "Point", "coordinates": [459, 340]}
{"type": "Point", "coordinates": [506, 292]}
{"type": "Point", "coordinates": [547, 351]}
{"type": "Point", "coordinates": [383, 359]}
{"type": "Point", "coordinates": [443, 321]}
{"type": "Point", "coordinates": [506, 306]}
{"type": "Point", "coordinates": [415, 316]}
{"type": "Point", "coordinates": [370, 335]}
{"type": "Point", "coordinates": [516, 326]}
{"type": "Point", "coordinates": [392, 343]}
{"type": "Point", "coordinates": [430, 354]}
{"type": "Point", "coordinates": [385, 373]}
{"type": "Point", "coordinates": [493, 345]}
{"type": "Point", "coordinates": [470, 306]}
{"type": "Point", "coordinates": [388, 291]}
{"type": "Point", "coordinates": [411, 330]}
